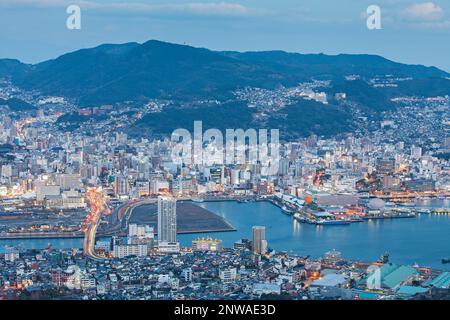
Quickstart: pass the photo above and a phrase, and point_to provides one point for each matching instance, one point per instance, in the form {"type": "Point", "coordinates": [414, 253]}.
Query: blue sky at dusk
{"type": "Point", "coordinates": [412, 31]}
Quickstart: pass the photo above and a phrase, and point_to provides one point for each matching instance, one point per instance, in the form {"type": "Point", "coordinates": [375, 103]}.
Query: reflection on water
{"type": "Point", "coordinates": [434, 203]}
{"type": "Point", "coordinates": [423, 239]}
{"type": "Point", "coordinates": [296, 226]}
{"type": "Point", "coordinates": [43, 243]}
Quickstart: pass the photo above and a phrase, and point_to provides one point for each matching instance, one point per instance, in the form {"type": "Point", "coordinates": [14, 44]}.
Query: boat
{"type": "Point", "coordinates": [407, 204]}
{"type": "Point", "coordinates": [401, 215]}
{"type": "Point", "coordinates": [287, 211]}
{"type": "Point", "coordinates": [374, 217]}
{"type": "Point", "coordinates": [198, 200]}
{"type": "Point", "coordinates": [333, 222]}
{"type": "Point", "coordinates": [423, 211]}
{"type": "Point", "coordinates": [300, 218]}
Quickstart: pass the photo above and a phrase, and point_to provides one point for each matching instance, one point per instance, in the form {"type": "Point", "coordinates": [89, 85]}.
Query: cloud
{"type": "Point", "coordinates": [427, 11]}
{"type": "Point", "coordinates": [194, 8]}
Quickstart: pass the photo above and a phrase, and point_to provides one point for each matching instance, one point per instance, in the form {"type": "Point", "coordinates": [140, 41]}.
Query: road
{"type": "Point", "coordinates": [121, 216]}
{"type": "Point", "coordinates": [124, 212]}
{"type": "Point", "coordinates": [98, 206]}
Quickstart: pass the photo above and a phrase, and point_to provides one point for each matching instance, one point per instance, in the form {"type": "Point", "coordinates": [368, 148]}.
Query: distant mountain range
{"type": "Point", "coordinates": [113, 73]}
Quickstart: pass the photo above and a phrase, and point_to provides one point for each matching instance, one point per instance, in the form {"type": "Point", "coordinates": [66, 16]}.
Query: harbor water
{"type": "Point", "coordinates": [423, 240]}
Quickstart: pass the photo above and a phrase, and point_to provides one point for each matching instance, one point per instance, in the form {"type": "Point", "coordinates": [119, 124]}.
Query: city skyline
{"type": "Point", "coordinates": [185, 170]}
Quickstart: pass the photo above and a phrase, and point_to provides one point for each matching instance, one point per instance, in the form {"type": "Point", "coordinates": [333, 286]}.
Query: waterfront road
{"type": "Point", "coordinates": [98, 206]}
{"type": "Point", "coordinates": [124, 212]}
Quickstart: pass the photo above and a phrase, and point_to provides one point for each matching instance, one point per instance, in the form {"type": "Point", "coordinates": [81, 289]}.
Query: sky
{"type": "Point", "coordinates": [416, 32]}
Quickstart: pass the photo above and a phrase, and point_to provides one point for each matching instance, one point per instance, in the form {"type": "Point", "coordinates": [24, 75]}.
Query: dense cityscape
{"type": "Point", "coordinates": [224, 159]}
{"type": "Point", "coordinates": [126, 199]}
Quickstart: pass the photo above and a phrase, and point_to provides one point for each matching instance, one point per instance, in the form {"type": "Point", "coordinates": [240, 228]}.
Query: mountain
{"type": "Point", "coordinates": [11, 68]}
{"type": "Point", "coordinates": [302, 118]}
{"type": "Point", "coordinates": [422, 80]}
{"type": "Point", "coordinates": [113, 73]}
{"type": "Point", "coordinates": [334, 67]}
{"type": "Point", "coordinates": [15, 104]}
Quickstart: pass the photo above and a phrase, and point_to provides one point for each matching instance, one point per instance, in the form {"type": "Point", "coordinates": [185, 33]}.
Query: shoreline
{"type": "Point", "coordinates": [231, 228]}
{"type": "Point", "coordinates": [80, 236]}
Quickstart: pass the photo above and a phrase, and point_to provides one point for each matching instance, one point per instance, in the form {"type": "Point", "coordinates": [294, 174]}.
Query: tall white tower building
{"type": "Point", "coordinates": [167, 219]}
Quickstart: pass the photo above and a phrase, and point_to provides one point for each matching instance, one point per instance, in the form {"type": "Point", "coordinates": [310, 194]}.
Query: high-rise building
{"type": "Point", "coordinates": [385, 166]}
{"type": "Point", "coordinates": [121, 186]}
{"type": "Point", "coordinates": [167, 219]}
{"type": "Point", "coordinates": [416, 152]}
{"type": "Point", "coordinates": [69, 181]}
{"type": "Point", "coordinates": [259, 244]}
{"type": "Point", "coordinates": [235, 176]}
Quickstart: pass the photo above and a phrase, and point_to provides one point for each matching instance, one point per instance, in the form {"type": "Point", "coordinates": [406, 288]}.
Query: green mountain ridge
{"type": "Point", "coordinates": [114, 73]}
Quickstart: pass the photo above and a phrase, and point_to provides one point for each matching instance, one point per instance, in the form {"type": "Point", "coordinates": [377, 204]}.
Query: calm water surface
{"type": "Point", "coordinates": [424, 239]}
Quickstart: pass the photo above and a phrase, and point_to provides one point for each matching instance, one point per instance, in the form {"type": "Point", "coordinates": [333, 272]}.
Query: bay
{"type": "Point", "coordinates": [423, 240]}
